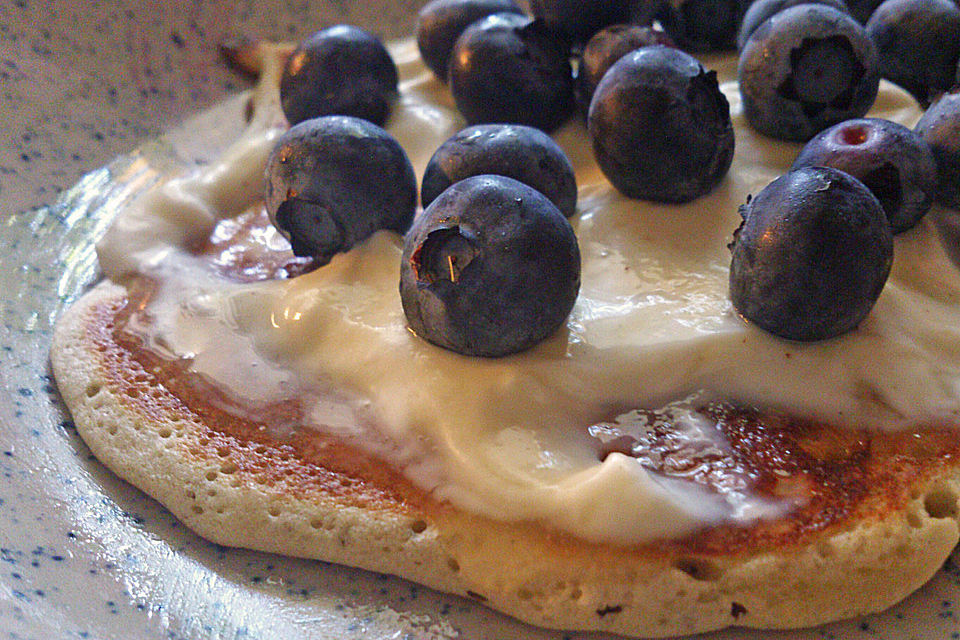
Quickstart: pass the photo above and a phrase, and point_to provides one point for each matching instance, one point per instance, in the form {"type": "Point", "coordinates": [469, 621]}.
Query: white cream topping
{"type": "Point", "coordinates": [507, 437]}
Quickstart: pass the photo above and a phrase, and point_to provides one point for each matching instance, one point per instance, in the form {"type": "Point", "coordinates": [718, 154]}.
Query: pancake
{"type": "Point", "coordinates": [872, 514]}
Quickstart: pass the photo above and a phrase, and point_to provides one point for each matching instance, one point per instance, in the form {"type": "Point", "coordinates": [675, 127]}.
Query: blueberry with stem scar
{"type": "Point", "coordinates": [334, 181]}
{"type": "Point", "coordinates": [805, 69]}
{"type": "Point", "coordinates": [893, 161]}
{"type": "Point", "coordinates": [490, 268]}
{"type": "Point", "coordinates": [651, 104]}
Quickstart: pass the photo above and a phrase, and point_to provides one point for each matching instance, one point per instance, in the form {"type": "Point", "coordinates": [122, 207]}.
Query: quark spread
{"type": "Point", "coordinates": [509, 437]}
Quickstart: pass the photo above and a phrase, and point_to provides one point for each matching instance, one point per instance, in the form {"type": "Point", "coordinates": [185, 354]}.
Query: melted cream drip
{"type": "Point", "coordinates": [507, 437]}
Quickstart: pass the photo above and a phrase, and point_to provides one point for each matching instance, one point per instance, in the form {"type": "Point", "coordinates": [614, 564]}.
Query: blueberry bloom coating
{"type": "Point", "coordinates": [490, 268]}
{"type": "Point", "coordinates": [660, 126]}
{"type": "Point", "coordinates": [805, 69]}
{"type": "Point", "coordinates": [508, 68]}
{"type": "Point", "coordinates": [940, 128]}
{"type": "Point", "coordinates": [811, 256]}
{"type": "Point", "coordinates": [333, 181]}
{"type": "Point", "coordinates": [891, 160]}
{"type": "Point", "coordinates": [340, 70]}
{"type": "Point", "coordinates": [919, 44]}
{"type": "Point", "coordinates": [704, 25]}
{"type": "Point", "coordinates": [516, 151]}
{"type": "Point", "coordinates": [760, 10]}
{"type": "Point", "coordinates": [606, 47]}
{"type": "Point", "coordinates": [440, 23]}
{"type": "Point", "coordinates": [577, 20]}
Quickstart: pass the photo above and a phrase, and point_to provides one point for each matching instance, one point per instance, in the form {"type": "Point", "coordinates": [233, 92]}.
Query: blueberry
{"type": "Point", "coordinates": [606, 47]}
{"type": "Point", "coordinates": [805, 69]}
{"type": "Point", "coordinates": [703, 25]}
{"type": "Point", "coordinates": [760, 10]}
{"type": "Point", "coordinates": [516, 151]}
{"type": "Point", "coordinates": [891, 160]}
{"type": "Point", "coordinates": [940, 127]}
{"type": "Point", "coordinates": [440, 23]}
{"type": "Point", "coordinates": [578, 20]}
{"type": "Point", "coordinates": [862, 9]}
{"type": "Point", "coordinates": [333, 181]}
{"type": "Point", "coordinates": [339, 70]}
{"type": "Point", "coordinates": [490, 268]}
{"type": "Point", "coordinates": [508, 68]}
{"type": "Point", "coordinates": [660, 126]}
{"type": "Point", "coordinates": [919, 44]}
{"type": "Point", "coordinates": [811, 256]}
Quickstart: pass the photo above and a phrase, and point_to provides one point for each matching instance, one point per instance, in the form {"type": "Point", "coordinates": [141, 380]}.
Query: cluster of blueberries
{"type": "Point", "coordinates": [492, 266]}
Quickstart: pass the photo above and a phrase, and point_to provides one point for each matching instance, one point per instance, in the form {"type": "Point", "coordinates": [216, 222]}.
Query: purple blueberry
{"type": "Point", "coordinates": [516, 151]}
{"type": "Point", "coordinates": [940, 127]}
{"type": "Point", "coordinates": [577, 20]}
{"type": "Point", "coordinates": [333, 181]}
{"type": "Point", "coordinates": [811, 256]}
{"type": "Point", "coordinates": [508, 68]}
{"type": "Point", "coordinates": [891, 160]}
{"type": "Point", "coordinates": [805, 69]}
{"type": "Point", "coordinates": [490, 268]}
{"type": "Point", "coordinates": [703, 25]}
{"type": "Point", "coordinates": [919, 44]}
{"type": "Point", "coordinates": [440, 23]}
{"type": "Point", "coordinates": [340, 70]}
{"type": "Point", "coordinates": [760, 10]}
{"type": "Point", "coordinates": [606, 47]}
{"type": "Point", "coordinates": [660, 126]}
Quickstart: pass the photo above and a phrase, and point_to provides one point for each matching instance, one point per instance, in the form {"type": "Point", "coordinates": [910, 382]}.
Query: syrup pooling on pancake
{"type": "Point", "coordinates": [508, 437]}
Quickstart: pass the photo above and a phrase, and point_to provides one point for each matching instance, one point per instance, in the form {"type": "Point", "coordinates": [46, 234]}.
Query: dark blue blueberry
{"type": "Point", "coordinates": [440, 23]}
{"type": "Point", "coordinates": [340, 70]}
{"type": "Point", "coordinates": [660, 126]}
{"type": "Point", "coordinates": [508, 68]}
{"type": "Point", "coordinates": [760, 10]}
{"type": "Point", "coordinates": [333, 181]}
{"type": "Point", "coordinates": [919, 44]}
{"type": "Point", "coordinates": [805, 69]}
{"type": "Point", "coordinates": [522, 153]}
{"type": "Point", "coordinates": [940, 128]}
{"type": "Point", "coordinates": [490, 268]}
{"type": "Point", "coordinates": [578, 20]}
{"type": "Point", "coordinates": [893, 161]}
{"type": "Point", "coordinates": [704, 25]}
{"type": "Point", "coordinates": [862, 9]}
{"type": "Point", "coordinates": [606, 47]}
{"type": "Point", "coordinates": [811, 256]}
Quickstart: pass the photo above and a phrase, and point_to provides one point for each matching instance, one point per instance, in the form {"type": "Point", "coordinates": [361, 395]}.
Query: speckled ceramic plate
{"type": "Point", "coordinates": [82, 554]}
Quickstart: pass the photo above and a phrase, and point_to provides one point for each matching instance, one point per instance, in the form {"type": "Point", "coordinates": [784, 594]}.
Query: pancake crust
{"type": "Point", "coordinates": [877, 514]}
